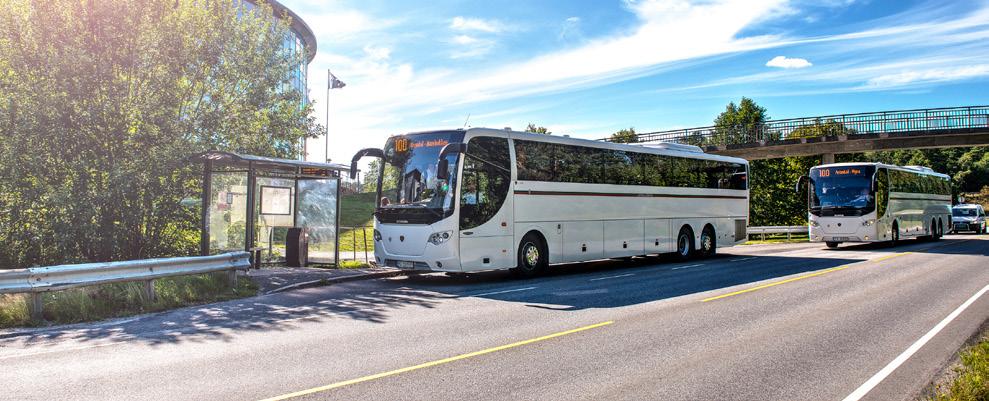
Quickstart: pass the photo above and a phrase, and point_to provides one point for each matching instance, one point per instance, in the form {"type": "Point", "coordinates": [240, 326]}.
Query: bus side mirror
{"type": "Point", "coordinates": [443, 166]}
{"type": "Point", "coordinates": [796, 187]}
{"type": "Point", "coordinates": [373, 152]}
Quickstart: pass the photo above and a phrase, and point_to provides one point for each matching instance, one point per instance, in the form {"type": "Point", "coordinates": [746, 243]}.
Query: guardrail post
{"type": "Point", "coordinates": [37, 305]}
{"type": "Point", "coordinates": [149, 291]}
{"type": "Point", "coordinates": [232, 278]}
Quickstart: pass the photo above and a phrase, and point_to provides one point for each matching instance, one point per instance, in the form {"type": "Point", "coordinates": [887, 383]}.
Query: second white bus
{"type": "Point", "coordinates": [874, 202]}
{"type": "Point", "coordinates": [487, 199]}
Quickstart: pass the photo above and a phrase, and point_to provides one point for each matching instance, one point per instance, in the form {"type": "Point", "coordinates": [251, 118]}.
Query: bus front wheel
{"type": "Point", "coordinates": [685, 244]}
{"type": "Point", "coordinates": [831, 244]}
{"type": "Point", "coordinates": [533, 257]}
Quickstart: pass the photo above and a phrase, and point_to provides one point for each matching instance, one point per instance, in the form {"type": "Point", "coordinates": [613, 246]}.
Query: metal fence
{"type": "Point", "coordinates": [762, 231]}
{"type": "Point", "coordinates": [901, 122]}
{"type": "Point", "coordinates": [356, 243]}
{"type": "Point", "coordinates": [37, 280]}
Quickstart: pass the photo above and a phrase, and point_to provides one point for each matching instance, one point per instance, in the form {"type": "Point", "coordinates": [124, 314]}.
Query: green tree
{"type": "Point", "coordinates": [626, 135]}
{"type": "Point", "coordinates": [370, 183]}
{"type": "Point", "coordinates": [101, 102]}
{"type": "Point", "coordinates": [740, 123]}
{"type": "Point", "coordinates": [533, 128]}
{"type": "Point", "coordinates": [818, 129]}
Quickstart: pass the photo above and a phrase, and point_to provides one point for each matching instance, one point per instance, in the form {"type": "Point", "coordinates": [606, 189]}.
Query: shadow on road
{"type": "Point", "coordinates": [570, 287]}
{"type": "Point", "coordinates": [974, 245]}
{"type": "Point", "coordinates": [226, 320]}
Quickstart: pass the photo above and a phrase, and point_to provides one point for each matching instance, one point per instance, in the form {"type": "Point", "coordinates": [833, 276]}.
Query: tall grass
{"type": "Point", "coordinates": [123, 299]}
{"type": "Point", "coordinates": [972, 380]}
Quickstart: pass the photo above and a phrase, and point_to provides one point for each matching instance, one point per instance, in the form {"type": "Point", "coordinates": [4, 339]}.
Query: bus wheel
{"type": "Point", "coordinates": [533, 257]}
{"type": "Point", "coordinates": [831, 244]}
{"type": "Point", "coordinates": [935, 232]}
{"type": "Point", "coordinates": [685, 244]}
{"type": "Point", "coordinates": [709, 243]}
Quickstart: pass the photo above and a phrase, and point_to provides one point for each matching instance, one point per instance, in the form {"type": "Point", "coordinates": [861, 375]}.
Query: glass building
{"type": "Point", "coordinates": [300, 41]}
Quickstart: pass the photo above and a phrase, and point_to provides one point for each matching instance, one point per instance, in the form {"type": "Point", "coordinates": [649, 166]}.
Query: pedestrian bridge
{"type": "Point", "coordinates": [847, 133]}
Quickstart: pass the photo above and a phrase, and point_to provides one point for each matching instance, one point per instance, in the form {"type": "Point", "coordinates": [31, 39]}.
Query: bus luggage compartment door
{"type": "Point", "coordinates": [583, 240]}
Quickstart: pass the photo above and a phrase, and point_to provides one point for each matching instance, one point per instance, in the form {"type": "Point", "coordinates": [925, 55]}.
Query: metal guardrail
{"type": "Point", "coordinates": [37, 280]}
{"type": "Point", "coordinates": [931, 121]}
{"type": "Point", "coordinates": [788, 230]}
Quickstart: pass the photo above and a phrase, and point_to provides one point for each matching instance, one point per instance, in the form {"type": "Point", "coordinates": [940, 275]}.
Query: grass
{"type": "Point", "coordinates": [123, 299]}
{"type": "Point", "coordinates": [971, 380]}
{"type": "Point", "coordinates": [353, 264]}
{"type": "Point", "coordinates": [355, 211]}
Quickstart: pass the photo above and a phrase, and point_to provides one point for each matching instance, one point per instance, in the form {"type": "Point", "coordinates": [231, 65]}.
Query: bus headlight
{"type": "Point", "coordinates": [814, 223]}
{"type": "Point", "coordinates": [868, 223]}
{"type": "Point", "coordinates": [377, 235]}
{"type": "Point", "coordinates": [440, 237]}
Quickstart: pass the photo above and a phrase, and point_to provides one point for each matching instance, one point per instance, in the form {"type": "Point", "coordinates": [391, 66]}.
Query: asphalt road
{"type": "Point", "coordinates": [790, 322]}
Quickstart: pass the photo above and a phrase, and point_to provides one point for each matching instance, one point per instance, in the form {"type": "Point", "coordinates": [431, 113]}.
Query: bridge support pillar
{"type": "Point", "coordinates": [827, 158]}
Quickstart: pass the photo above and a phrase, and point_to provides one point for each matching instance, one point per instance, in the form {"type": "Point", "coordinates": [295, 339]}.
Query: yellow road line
{"type": "Point", "coordinates": [815, 274]}
{"type": "Point", "coordinates": [434, 363]}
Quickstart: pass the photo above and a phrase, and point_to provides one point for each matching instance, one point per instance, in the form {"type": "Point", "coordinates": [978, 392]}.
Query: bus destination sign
{"type": "Point", "coordinates": [403, 145]}
{"type": "Point", "coordinates": [840, 171]}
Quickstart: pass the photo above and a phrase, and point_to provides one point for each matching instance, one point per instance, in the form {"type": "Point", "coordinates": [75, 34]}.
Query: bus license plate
{"type": "Point", "coordinates": [833, 239]}
{"type": "Point", "coordinates": [404, 264]}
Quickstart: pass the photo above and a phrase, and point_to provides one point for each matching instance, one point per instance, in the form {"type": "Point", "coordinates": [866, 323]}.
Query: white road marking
{"type": "Point", "coordinates": [687, 267]}
{"type": "Point", "coordinates": [882, 374]}
{"type": "Point", "coordinates": [501, 292]}
{"type": "Point", "coordinates": [611, 277]}
{"type": "Point", "coordinates": [742, 259]}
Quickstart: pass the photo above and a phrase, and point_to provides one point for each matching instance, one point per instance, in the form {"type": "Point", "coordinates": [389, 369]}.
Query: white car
{"type": "Point", "coordinates": [968, 217]}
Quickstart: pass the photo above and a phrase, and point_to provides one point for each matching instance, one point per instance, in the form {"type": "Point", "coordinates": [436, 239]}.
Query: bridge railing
{"type": "Point", "coordinates": [919, 121]}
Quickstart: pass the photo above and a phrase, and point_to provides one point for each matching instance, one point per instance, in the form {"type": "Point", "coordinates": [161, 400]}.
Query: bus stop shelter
{"type": "Point", "coordinates": [250, 202]}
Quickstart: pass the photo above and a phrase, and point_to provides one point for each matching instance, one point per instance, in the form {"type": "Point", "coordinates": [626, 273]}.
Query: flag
{"type": "Point", "coordinates": [333, 82]}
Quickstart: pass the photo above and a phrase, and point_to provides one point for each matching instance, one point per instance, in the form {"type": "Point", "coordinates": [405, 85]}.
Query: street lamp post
{"type": "Point", "coordinates": [331, 83]}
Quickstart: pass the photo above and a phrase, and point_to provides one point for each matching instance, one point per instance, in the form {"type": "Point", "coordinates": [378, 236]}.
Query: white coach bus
{"type": "Point", "coordinates": [871, 202]}
{"type": "Point", "coordinates": [487, 199]}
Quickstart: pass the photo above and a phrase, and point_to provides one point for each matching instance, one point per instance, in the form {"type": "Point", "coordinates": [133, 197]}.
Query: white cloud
{"type": "Point", "coordinates": [915, 77]}
{"type": "Point", "coordinates": [477, 24]}
{"type": "Point", "coordinates": [377, 53]}
{"type": "Point", "coordinates": [464, 39]}
{"type": "Point", "coordinates": [786, 62]}
{"type": "Point", "coordinates": [571, 29]}
{"type": "Point", "coordinates": [382, 96]}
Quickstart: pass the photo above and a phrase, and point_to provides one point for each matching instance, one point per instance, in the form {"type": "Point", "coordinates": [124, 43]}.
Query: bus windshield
{"type": "Point", "coordinates": [409, 171]}
{"type": "Point", "coordinates": [842, 191]}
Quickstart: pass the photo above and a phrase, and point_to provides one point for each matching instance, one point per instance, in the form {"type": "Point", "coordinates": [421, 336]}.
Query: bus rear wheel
{"type": "Point", "coordinates": [935, 231]}
{"type": "Point", "coordinates": [709, 243]}
{"type": "Point", "coordinates": [685, 244]}
{"type": "Point", "coordinates": [895, 236]}
{"type": "Point", "coordinates": [533, 257]}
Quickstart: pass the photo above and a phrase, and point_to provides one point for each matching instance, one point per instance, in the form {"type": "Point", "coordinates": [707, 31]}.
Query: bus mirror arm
{"type": "Point", "coordinates": [443, 166]}
{"type": "Point", "coordinates": [373, 152]}
{"type": "Point", "coordinates": [796, 188]}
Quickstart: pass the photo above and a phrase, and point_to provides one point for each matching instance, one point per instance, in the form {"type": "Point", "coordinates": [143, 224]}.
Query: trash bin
{"type": "Point", "coordinates": [297, 247]}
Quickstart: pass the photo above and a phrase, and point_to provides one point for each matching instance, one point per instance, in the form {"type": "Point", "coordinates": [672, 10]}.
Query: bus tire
{"type": "Point", "coordinates": [709, 242]}
{"type": "Point", "coordinates": [533, 256]}
{"type": "Point", "coordinates": [685, 244]}
{"type": "Point", "coordinates": [937, 230]}
{"type": "Point", "coordinates": [832, 244]}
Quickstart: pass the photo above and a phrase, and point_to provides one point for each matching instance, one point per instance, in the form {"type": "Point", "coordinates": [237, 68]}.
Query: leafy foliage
{"type": "Point", "coordinates": [739, 123]}
{"type": "Point", "coordinates": [818, 129]}
{"type": "Point", "coordinates": [626, 135]}
{"type": "Point", "coordinates": [533, 128]}
{"type": "Point", "coordinates": [101, 102]}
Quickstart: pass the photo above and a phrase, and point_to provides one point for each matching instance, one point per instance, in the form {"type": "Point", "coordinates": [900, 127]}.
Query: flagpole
{"type": "Point", "coordinates": [329, 84]}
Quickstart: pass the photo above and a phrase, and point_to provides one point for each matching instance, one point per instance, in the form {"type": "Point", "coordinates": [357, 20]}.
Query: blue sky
{"type": "Point", "coordinates": [589, 68]}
